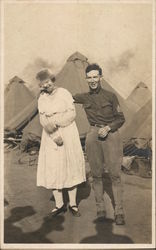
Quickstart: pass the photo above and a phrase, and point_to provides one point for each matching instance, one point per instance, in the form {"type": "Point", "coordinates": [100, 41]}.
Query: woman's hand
{"type": "Point", "coordinates": [50, 128]}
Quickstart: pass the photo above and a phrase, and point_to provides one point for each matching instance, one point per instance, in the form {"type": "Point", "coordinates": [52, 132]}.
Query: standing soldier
{"type": "Point", "coordinates": [103, 142]}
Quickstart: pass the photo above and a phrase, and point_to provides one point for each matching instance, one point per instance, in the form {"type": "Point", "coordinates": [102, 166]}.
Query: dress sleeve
{"type": "Point", "coordinates": [65, 118]}
{"type": "Point", "coordinates": [42, 103]}
{"type": "Point", "coordinates": [45, 122]}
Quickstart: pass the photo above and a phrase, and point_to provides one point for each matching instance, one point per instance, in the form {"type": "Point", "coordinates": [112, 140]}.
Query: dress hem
{"type": "Point", "coordinates": [65, 186]}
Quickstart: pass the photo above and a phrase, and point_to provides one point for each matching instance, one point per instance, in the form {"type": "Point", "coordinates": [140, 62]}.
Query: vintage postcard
{"type": "Point", "coordinates": [77, 124]}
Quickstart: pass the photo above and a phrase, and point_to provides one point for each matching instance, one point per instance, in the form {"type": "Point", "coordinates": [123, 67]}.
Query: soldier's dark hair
{"type": "Point", "coordinates": [94, 66]}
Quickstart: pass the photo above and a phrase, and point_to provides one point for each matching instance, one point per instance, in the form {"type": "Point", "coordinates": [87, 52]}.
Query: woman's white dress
{"type": "Point", "coordinates": [60, 166]}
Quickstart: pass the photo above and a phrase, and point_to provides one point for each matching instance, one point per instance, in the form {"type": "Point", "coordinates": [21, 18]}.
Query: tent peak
{"type": "Point", "coordinates": [16, 79]}
{"type": "Point", "coordinates": [141, 85]}
{"type": "Point", "coordinates": [77, 56]}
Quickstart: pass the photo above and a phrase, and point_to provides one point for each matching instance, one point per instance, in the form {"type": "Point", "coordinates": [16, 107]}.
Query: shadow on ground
{"type": "Point", "coordinates": [14, 234]}
{"type": "Point", "coordinates": [105, 235]}
{"type": "Point", "coordinates": [83, 192]}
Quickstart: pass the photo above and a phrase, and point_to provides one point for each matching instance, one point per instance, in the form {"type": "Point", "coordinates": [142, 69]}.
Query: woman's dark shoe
{"type": "Point", "coordinates": [57, 210]}
{"type": "Point", "coordinates": [75, 212]}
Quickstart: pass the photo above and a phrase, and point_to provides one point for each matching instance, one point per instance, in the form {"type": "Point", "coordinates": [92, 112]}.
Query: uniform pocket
{"type": "Point", "coordinates": [106, 104]}
{"type": "Point", "coordinates": [107, 109]}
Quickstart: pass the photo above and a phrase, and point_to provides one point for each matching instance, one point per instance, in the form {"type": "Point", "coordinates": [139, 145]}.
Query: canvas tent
{"type": "Point", "coordinates": [145, 130]}
{"type": "Point", "coordinates": [31, 133]}
{"type": "Point", "coordinates": [137, 142]}
{"type": "Point", "coordinates": [139, 97]}
{"type": "Point", "coordinates": [141, 124]}
{"type": "Point", "coordinates": [19, 105]}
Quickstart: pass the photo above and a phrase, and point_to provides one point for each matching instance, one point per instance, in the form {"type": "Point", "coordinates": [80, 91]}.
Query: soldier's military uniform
{"type": "Point", "coordinates": [102, 108]}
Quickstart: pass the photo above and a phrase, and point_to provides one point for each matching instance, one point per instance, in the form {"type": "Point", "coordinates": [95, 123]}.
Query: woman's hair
{"type": "Point", "coordinates": [45, 74]}
{"type": "Point", "coordinates": [94, 66]}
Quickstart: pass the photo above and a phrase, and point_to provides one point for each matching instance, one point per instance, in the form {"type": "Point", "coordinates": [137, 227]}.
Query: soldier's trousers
{"type": "Point", "coordinates": [110, 153]}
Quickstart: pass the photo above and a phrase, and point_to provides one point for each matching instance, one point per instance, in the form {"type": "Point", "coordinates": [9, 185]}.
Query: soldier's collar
{"type": "Point", "coordinates": [95, 91]}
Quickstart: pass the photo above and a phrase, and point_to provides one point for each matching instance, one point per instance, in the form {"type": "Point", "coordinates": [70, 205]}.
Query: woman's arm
{"type": "Point", "coordinates": [65, 118]}
{"type": "Point", "coordinates": [47, 124]}
{"type": "Point", "coordinates": [43, 104]}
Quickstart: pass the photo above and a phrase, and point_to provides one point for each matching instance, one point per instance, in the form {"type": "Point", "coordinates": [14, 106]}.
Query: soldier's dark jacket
{"type": "Point", "coordinates": [102, 108]}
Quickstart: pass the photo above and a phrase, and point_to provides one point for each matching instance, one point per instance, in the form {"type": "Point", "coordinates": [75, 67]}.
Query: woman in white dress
{"type": "Point", "coordinates": [61, 162]}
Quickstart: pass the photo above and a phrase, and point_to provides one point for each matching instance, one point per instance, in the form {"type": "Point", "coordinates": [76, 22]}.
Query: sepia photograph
{"type": "Point", "coordinates": [77, 124]}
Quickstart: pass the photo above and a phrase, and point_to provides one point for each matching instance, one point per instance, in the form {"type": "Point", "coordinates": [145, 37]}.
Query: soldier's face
{"type": "Point", "coordinates": [47, 86]}
{"type": "Point", "coordinates": [93, 79]}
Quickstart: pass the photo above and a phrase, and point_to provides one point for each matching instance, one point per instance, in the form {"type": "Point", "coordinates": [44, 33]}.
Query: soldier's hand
{"type": "Point", "coordinates": [103, 132]}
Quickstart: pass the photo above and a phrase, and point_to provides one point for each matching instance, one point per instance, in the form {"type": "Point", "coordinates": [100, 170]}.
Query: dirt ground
{"type": "Point", "coordinates": [27, 217]}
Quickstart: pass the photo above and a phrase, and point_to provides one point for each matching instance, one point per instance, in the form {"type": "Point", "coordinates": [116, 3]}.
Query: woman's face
{"type": "Point", "coordinates": [47, 86]}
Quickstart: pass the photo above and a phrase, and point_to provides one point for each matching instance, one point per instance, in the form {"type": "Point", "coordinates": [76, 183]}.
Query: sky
{"type": "Point", "coordinates": [117, 36]}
